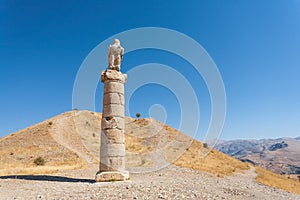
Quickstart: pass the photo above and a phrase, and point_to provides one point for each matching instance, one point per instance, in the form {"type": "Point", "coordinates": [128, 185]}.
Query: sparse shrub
{"type": "Point", "coordinates": [39, 161]}
{"type": "Point", "coordinates": [75, 109]}
{"type": "Point", "coordinates": [138, 115]}
{"type": "Point", "coordinates": [205, 145]}
{"type": "Point", "coordinates": [50, 123]}
{"type": "Point", "coordinates": [143, 161]}
{"type": "Point", "coordinates": [94, 135]}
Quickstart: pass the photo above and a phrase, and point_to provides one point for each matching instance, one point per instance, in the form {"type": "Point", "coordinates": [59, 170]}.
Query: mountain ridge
{"type": "Point", "coordinates": [279, 155]}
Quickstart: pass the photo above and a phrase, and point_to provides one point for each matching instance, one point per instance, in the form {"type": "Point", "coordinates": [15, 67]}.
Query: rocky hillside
{"type": "Point", "coordinates": [71, 141]}
{"type": "Point", "coordinates": [280, 155]}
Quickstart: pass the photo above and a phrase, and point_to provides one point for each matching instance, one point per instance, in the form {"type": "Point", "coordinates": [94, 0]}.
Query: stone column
{"type": "Point", "coordinates": [112, 149]}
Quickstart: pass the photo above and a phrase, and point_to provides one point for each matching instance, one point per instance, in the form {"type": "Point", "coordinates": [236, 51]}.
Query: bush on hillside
{"type": "Point", "coordinates": [39, 161]}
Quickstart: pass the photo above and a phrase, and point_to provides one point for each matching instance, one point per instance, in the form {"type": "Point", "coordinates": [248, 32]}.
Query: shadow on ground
{"type": "Point", "coordinates": [47, 178]}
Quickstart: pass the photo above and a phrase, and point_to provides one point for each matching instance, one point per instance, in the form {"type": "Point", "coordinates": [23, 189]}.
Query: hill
{"type": "Point", "coordinates": [278, 155]}
{"type": "Point", "coordinates": [71, 141]}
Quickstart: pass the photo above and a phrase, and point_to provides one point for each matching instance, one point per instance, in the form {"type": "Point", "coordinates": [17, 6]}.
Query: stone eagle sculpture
{"type": "Point", "coordinates": [115, 55]}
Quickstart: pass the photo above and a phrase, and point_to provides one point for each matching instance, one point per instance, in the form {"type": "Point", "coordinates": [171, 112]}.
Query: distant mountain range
{"type": "Point", "coordinates": [280, 155]}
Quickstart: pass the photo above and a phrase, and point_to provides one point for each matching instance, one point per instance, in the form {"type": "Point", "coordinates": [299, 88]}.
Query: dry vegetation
{"type": "Point", "coordinates": [215, 162]}
{"type": "Point", "coordinates": [19, 150]}
{"type": "Point", "coordinates": [72, 140]}
{"type": "Point", "coordinates": [178, 148]}
{"type": "Point", "coordinates": [278, 181]}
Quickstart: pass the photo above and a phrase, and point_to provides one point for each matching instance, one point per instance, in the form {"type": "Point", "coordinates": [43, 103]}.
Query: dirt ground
{"type": "Point", "coordinates": [171, 182]}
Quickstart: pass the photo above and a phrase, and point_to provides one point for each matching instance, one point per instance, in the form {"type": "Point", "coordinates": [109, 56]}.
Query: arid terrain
{"type": "Point", "coordinates": [280, 155]}
{"type": "Point", "coordinates": [164, 164]}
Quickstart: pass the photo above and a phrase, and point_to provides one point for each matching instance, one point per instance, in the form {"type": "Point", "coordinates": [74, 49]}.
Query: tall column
{"type": "Point", "coordinates": [112, 149]}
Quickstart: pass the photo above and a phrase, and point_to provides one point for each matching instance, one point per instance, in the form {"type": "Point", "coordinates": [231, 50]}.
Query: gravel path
{"type": "Point", "coordinates": [169, 183]}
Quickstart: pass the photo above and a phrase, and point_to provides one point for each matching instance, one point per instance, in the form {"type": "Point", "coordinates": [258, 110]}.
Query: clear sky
{"type": "Point", "coordinates": [254, 43]}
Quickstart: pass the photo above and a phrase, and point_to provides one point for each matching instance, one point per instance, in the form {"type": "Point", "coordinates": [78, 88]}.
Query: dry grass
{"type": "Point", "coordinates": [38, 169]}
{"type": "Point", "coordinates": [18, 150]}
{"type": "Point", "coordinates": [215, 162]}
{"type": "Point", "coordinates": [143, 136]}
{"type": "Point", "coordinates": [278, 181]}
{"type": "Point", "coordinates": [293, 176]}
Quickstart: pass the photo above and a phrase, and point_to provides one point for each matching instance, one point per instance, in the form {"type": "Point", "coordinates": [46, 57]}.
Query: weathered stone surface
{"type": "Point", "coordinates": [113, 110]}
{"type": "Point", "coordinates": [112, 176]}
{"type": "Point", "coordinates": [112, 163]}
{"type": "Point", "coordinates": [115, 136]}
{"type": "Point", "coordinates": [115, 55]}
{"type": "Point", "coordinates": [113, 76]}
{"type": "Point", "coordinates": [108, 123]}
{"type": "Point", "coordinates": [110, 149]}
{"type": "Point", "coordinates": [113, 98]}
{"type": "Point", "coordinates": [112, 122]}
{"type": "Point", "coordinates": [113, 87]}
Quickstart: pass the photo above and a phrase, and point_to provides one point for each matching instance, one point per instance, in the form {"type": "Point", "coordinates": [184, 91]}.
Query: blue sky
{"type": "Point", "coordinates": [254, 43]}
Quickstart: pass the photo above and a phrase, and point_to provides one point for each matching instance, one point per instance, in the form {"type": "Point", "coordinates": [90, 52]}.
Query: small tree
{"type": "Point", "coordinates": [138, 115]}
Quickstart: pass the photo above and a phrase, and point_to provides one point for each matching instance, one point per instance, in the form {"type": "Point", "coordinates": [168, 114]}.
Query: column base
{"type": "Point", "coordinates": [112, 176]}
